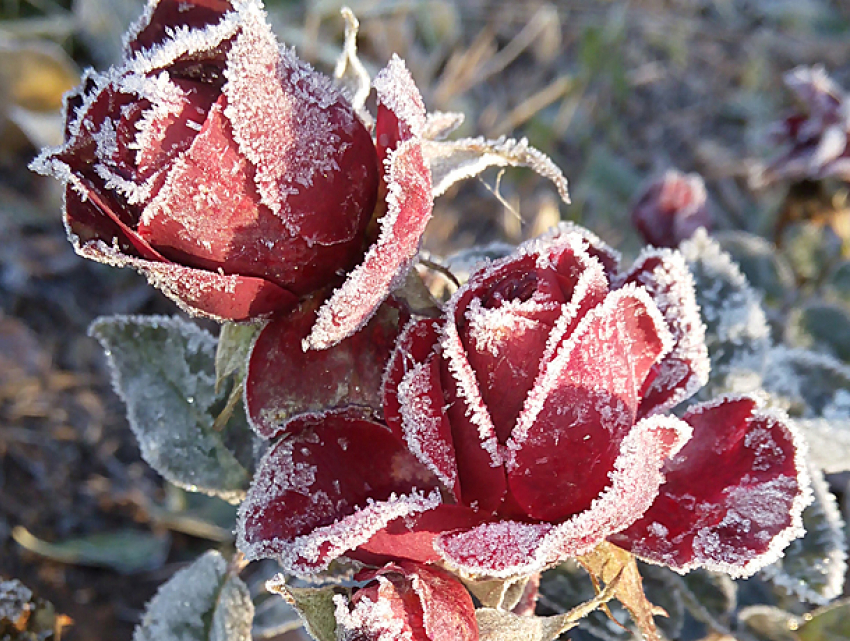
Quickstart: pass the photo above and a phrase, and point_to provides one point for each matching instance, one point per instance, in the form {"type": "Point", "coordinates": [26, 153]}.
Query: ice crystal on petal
{"type": "Point", "coordinates": [398, 93]}
{"type": "Point", "coordinates": [506, 548]}
{"type": "Point", "coordinates": [684, 370]}
{"type": "Point", "coordinates": [318, 494]}
{"type": "Point", "coordinates": [426, 431]}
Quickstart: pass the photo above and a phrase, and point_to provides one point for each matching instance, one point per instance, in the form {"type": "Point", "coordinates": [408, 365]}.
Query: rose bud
{"type": "Point", "coordinates": [229, 172]}
{"type": "Point", "coordinates": [529, 424]}
{"type": "Point", "coordinates": [815, 140]}
{"type": "Point", "coordinates": [671, 209]}
{"type": "Point", "coordinates": [407, 601]}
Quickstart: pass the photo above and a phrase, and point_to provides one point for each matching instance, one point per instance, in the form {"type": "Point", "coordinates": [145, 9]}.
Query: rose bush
{"type": "Point", "coordinates": [407, 601]}
{"type": "Point", "coordinates": [234, 176]}
{"type": "Point", "coordinates": [528, 425]}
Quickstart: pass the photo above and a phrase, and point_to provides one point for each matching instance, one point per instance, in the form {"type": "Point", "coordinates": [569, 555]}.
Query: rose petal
{"type": "Point", "coordinates": [316, 166]}
{"type": "Point", "coordinates": [413, 537]}
{"type": "Point", "coordinates": [733, 495]}
{"type": "Point", "coordinates": [569, 436]}
{"type": "Point", "coordinates": [389, 259]}
{"type": "Point", "coordinates": [220, 297]}
{"type": "Point", "coordinates": [424, 422]}
{"type": "Point", "coordinates": [409, 205]}
{"type": "Point", "coordinates": [401, 112]}
{"type": "Point", "coordinates": [328, 488]}
{"type": "Point", "coordinates": [684, 370]}
{"type": "Point", "coordinates": [415, 343]}
{"type": "Point", "coordinates": [282, 380]}
{"type": "Point", "coordinates": [507, 548]}
{"type": "Point", "coordinates": [162, 18]}
{"type": "Point", "coordinates": [504, 327]}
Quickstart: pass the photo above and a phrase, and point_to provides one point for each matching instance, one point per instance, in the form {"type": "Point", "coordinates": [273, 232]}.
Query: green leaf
{"type": "Point", "coordinates": [709, 597]}
{"type": "Point", "coordinates": [821, 326]}
{"type": "Point", "coordinates": [315, 605]}
{"type": "Point", "coordinates": [838, 285]}
{"type": "Point", "coordinates": [164, 370]}
{"type": "Point", "coordinates": [231, 355]}
{"type": "Point", "coordinates": [767, 623]}
{"type": "Point", "coordinates": [813, 566]}
{"type": "Point", "coordinates": [125, 551]}
{"type": "Point", "coordinates": [830, 623]}
{"type": "Point", "coordinates": [761, 263]}
{"type": "Point", "coordinates": [808, 384]}
{"type": "Point", "coordinates": [737, 333]}
{"type": "Point", "coordinates": [203, 602]}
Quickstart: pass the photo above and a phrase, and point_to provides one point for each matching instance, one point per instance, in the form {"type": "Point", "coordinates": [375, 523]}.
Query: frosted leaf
{"type": "Point", "coordinates": [231, 354]}
{"type": "Point", "coordinates": [685, 368]}
{"type": "Point", "coordinates": [821, 326]}
{"type": "Point", "coordinates": [814, 566]}
{"type": "Point", "coordinates": [828, 441]}
{"type": "Point", "coordinates": [737, 334]}
{"type": "Point", "coordinates": [457, 160]}
{"type": "Point", "coordinates": [808, 384]}
{"type": "Point", "coordinates": [765, 268]}
{"type": "Point", "coordinates": [350, 73]}
{"type": "Point", "coordinates": [749, 511]}
{"type": "Point", "coordinates": [439, 124]}
{"type": "Point", "coordinates": [769, 623]}
{"type": "Point", "coordinates": [327, 489]}
{"type": "Point", "coordinates": [283, 381]}
{"type": "Point", "coordinates": [386, 263]}
{"type": "Point", "coordinates": [164, 370]}
{"type": "Point", "coordinates": [507, 548]}
{"type": "Point", "coordinates": [203, 602]}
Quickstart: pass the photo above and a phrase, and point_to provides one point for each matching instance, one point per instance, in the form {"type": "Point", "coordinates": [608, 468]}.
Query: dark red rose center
{"type": "Point", "coordinates": [518, 286]}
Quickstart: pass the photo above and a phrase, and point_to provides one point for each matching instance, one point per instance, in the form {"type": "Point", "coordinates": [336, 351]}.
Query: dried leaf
{"type": "Point", "coordinates": [498, 625]}
{"type": "Point", "coordinates": [608, 562]}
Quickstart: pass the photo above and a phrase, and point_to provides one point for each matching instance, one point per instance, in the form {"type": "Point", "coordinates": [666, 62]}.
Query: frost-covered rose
{"type": "Point", "coordinates": [233, 175]}
{"type": "Point", "coordinates": [816, 140]}
{"type": "Point", "coordinates": [671, 209]}
{"type": "Point", "coordinates": [528, 425]}
{"type": "Point", "coordinates": [407, 601]}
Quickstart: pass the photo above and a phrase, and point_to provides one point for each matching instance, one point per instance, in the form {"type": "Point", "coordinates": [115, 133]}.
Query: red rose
{"type": "Point", "coordinates": [816, 140]}
{"type": "Point", "coordinates": [407, 601]}
{"type": "Point", "coordinates": [233, 175]}
{"type": "Point", "coordinates": [528, 425]}
{"type": "Point", "coordinates": [671, 209]}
